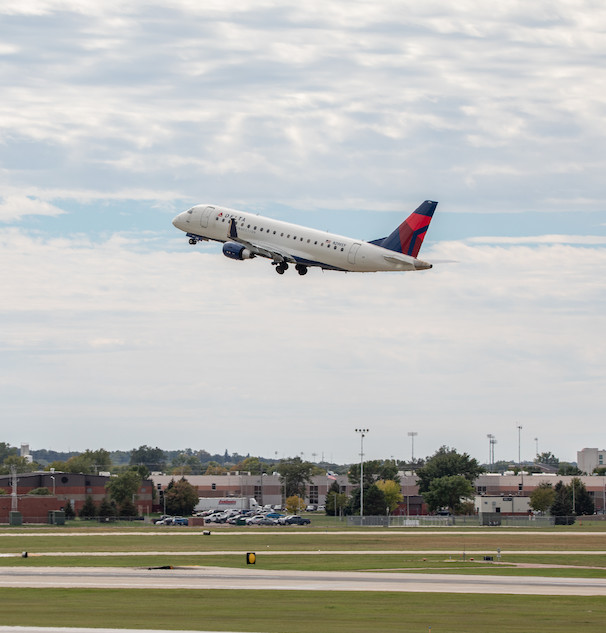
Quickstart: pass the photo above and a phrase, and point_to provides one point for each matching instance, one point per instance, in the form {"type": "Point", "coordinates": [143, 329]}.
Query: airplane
{"type": "Point", "coordinates": [247, 235]}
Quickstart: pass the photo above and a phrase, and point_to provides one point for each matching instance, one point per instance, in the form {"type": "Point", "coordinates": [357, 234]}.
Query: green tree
{"type": "Point", "coordinates": [542, 497]}
{"type": "Point", "coordinates": [43, 491]}
{"type": "Point", "coordinates": [599, 470]}
{"type": "Point", "coordinates": [89, 462]}
{"type": "Point", "coordinates": [184, 464]}
{"type": "Point", "coordinates": [446, 462]}
{"type": "Point", "coordinates": [214, 468]}
{"type": "Point", "coordinates": [181, 497]}
{"type": "Point", "coordinates": [561, 508]}
{"type": "Point", "coordinates": [335, 503]}
{"type": "Point", "coordinates": [392, 491]}
{"type": "Point", "coordinates": [89, 509]}
{"type": "Point", "coordinates": [128, 509]}
{"type": "Point", "coordinates": [124, 487]}
{"type": "Point", "coordinates": [374, 501]}
{"type": "Point", "coordinates": [20, 463]}
{"type": "Point", "coordinates": [6, 450]}
{"type": "Point", "coordinates": [547, 458]}
{"type": "Point", "coordinates": [569, 469]}
{"type": "Point", "coordinates": [106, 508]}
{"type": "Point", "coordinates": [153, 458]}
{"type": "Point", "coordinates": [374, 470]}
{"type": "Point", "coordinates": [582, 503]}
{"type": "Point", "coordinates": [294, 474]}
{"type": "Point", "coordinates": [447, 492]}
{"type": "Point", "coordinates": [69, 510]}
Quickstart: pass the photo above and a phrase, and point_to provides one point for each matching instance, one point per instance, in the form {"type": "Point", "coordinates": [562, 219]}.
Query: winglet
{"type": "Point", "coordinates": [233, 231]}
{"type": "Point", "coordinates": [408, 237]}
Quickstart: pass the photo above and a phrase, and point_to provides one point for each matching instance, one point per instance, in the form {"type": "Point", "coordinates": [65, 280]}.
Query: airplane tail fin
{"type": "Point", "coordinates": [408, 237]}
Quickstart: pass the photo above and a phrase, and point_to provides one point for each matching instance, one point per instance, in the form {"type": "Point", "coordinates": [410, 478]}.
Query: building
{"type": "Point", "coordinates": [590, 458]}
{"type": "Point", "coordinates": [64, 487]}
{"type": "Point", "coordinates": [266, 489]}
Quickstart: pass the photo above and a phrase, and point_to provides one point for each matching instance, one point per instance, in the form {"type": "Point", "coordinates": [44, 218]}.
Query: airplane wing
{"type": "Point", "coordinates": [259, 248]}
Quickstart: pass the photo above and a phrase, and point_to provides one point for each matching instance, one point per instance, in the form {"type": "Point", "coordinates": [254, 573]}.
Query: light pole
{"type": "Point", "coordinates": [362, 433]}
{"type": "Point", "coordinates": [520, 457]}
{"type": "Point", "coordinates": [490, 437]}
{"type": "Point", "coordinates": [536, 444]}
{"type": "Point", "coordinates": [411, 435]}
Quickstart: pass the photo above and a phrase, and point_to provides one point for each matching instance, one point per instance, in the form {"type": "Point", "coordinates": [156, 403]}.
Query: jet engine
{"type": "Point", "coordinates": [236, 251]}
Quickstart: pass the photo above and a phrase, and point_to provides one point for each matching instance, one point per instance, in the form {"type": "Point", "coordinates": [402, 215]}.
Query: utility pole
{"type": "Point", "coordinates": [362, 433]}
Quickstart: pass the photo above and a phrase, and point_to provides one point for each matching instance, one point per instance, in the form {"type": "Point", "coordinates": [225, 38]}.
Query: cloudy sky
{"type": "Point", "coordinates": [344, 116]}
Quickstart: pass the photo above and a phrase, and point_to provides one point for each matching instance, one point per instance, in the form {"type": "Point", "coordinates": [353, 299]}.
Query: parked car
{"type": "Point", "coordinates": [274, 515]}
{"type": "Point", "coordinates": [295, 519]}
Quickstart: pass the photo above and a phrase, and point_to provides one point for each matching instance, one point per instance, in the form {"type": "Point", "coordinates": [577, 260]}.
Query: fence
{"type": "Point", "coordinates": [530, 521]}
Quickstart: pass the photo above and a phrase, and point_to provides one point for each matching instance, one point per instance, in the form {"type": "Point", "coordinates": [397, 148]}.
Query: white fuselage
{"type": "Point", "coordinates": [297, 243]}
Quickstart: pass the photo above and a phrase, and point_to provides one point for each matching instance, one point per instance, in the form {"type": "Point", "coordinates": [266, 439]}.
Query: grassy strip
{"type": "Point", "coordinates": [299, 612]}
{"type": "Point", "coordinates": [185, 540]}
{"type": "Point", "coordinates": [406, 563]}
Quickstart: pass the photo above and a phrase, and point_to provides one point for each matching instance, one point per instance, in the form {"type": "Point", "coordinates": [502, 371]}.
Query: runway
{"type": "Point", "coordinates": [251, 578]}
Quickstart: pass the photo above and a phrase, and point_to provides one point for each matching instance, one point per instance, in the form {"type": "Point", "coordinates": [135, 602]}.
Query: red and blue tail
{"type": "Point", "coordinates": [408, 237]}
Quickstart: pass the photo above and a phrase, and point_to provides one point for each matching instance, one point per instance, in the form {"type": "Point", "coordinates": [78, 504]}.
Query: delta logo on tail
{"type": "Point", "coordinates": [246, 236]}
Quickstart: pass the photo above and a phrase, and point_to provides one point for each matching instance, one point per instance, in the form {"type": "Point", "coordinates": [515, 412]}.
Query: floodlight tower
{"type": "Point", "coordinates": [412, 435]}
{"type": "Point", "coordinates": [362, 433]}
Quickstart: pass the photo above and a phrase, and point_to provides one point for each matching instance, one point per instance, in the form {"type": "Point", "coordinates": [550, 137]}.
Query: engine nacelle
{"type": "Point", "coordinates": [236, 251]}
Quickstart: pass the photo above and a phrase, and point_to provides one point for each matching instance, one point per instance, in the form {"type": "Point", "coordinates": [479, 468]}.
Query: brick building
{"type": "Point", "coordinates": [63, 487]}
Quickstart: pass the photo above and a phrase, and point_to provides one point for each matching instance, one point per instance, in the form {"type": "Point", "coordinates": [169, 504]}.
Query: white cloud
{"type": "Point", "coordinates": [589, 240]}
{"type": "Point", "coordinates": [370, 100]}
{"type": "Point", "coordinates": [121, 347]}
{"type": "Point", "coordinates": [343, 106]}
{"type": "Point", "coordinates": [15, 207]}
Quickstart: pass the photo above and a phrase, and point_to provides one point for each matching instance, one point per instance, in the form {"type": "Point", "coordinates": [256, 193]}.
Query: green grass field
{"type": "Point", "coordinates": [300, 612]}
{"type": "Point", "coordinates": [325, 612]}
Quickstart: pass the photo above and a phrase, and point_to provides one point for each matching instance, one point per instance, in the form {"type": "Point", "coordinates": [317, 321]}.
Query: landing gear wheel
{"type": "Point", "coordinates": [302, 270]}
{"type": "Point", "coordinates": [193, 241]}
{"type": "Point", "coordinates": [280, 270]}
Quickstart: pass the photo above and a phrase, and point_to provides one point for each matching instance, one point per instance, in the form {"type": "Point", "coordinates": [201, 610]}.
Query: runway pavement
{"type": "Point", "coordinates": [252, 578]}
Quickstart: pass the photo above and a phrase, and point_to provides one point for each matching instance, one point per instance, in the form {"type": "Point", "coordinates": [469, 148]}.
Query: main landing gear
{"type": "Point", "coordinates": [302, 270]}
{"type": "Point", "coordinates": [193, 241]}
{"type": "Point", "coordinates": [282, 267]}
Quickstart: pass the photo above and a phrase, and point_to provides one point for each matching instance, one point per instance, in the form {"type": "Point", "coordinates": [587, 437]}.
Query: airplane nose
{"type": "Point", "coordinates": [176, 220]}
